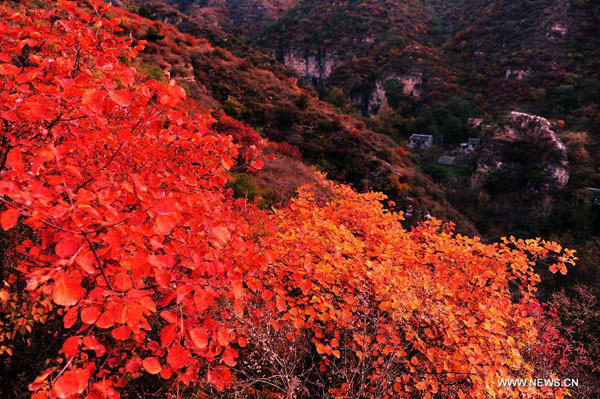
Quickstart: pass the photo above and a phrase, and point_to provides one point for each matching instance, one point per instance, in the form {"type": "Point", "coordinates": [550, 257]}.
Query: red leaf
{"type": "Point", "coordinates": [106, 320]}
{"type": "Point", "coordinates": [121, 97]}
{"type": "Point", "coordinates": [8, 69]}
{"type": "Point", "coordinates": [67, 290]}
{"type": "Point", "coordinates": [121, 333]}
{"type": "Point", "coordinates": [203, 300]}
{"type": "Point", "coordinates": [177, 357]}
{"type": "Point", "coordinates": [85, 260]}
{"type": "Point", "coordinates": [168, 335]}
{"type": "Point", "coordinates": [26, 77]}
{"type": "Point", "coordinates": [221, 233]}
{"type": "Point", "coordinates": [71, 383]}
{"type": "Point", "coordinates": [169, 316]}
{"type": "Point", "coordinates": [93, 100]}
{"type": "Point", "coordinates": [151, 365]}
{"type": "Point", "coordinates": [67, 247]}
{"type": "Point", "coordinates": [166, 372]}
{"type": "Point", "coordinates": [228, 356]}
{"type": "Point", "coordinates": [9, 218]}
{"type": "Point", "coordinates": [90, 342]}
{"type": "Point", "coordinates": [90, 314]}
{"type": "Point", "coordinates": [305, 285]}
{"type": "Point", "coordinates": [164, 224]}
{"type": "Point", "coordinates": [199, 337]}
{"type": "Point", "coordinates": [258, 164]}
{"type": "Point", "coordinates": [71, 347]}
{"type": "Point", "coordinates": [133, 365]}
{"type": "Point", "coordinates": [67, 385]}
{"type": "Point", "coordinates": [165, 206]}
{"type": "Point", "coordinates": [70, 318]}
{"type": "Point", "coordinates": [223, 337]}
{"type": "Point", "coordinates": [123, 282]}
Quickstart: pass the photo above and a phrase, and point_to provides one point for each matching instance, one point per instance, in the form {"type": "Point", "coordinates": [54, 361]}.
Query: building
{"type": "Point", "coordinates": [473, 144]}
{"type": "Point", "coordinates": [420, 141]}
{"type": "Point", "coordinates": [470, 145]}
{"type": "Point", "coordinates": [595, 195]}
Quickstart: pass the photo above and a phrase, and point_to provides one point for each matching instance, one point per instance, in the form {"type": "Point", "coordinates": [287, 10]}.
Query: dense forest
{"type": "Point", "coordinates": [230, 199]}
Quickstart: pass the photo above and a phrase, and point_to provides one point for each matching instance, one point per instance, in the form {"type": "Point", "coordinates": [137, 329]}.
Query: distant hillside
{"type": "Point", "coordinates": [251, 86]}
{"type": "Point", "coordinates": [369, 50]}
{"type": "Point", "coordinates": [241, 16]}
{"type": "Point", "coordinates": [540, 55]}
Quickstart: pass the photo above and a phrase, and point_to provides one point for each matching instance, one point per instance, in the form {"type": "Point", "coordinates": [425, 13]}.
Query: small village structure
{"type": "Point", "coordinates": [421, 141]}
{"type": "Point", "coordinates": [594, 195]}
{"type": "Point", "coordinates": [470, 145]}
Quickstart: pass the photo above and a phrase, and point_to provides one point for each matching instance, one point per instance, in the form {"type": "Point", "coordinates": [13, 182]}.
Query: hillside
{"type": "Point", "coordinates": [367, 50]}
{"type": "Point", "coordinates": [246, 17]}
{"type": "Point", "coordinates": [253, 87]}
{"type": "Point", "coordinates": [536, 56]}
{"type": "Point", "coordinates": [539, 55]}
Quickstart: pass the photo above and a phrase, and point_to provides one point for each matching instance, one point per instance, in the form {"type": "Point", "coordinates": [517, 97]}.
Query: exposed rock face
{"type": "Point", "coordinates": [521, 169]}
{"type": "Point", "coordinates": [410, 83]}
{"type": "Point", "coordinates": [315, 66]}
{"type": "Point", "coordinates": [527, 144]}
{"type": "Point", "coordinates": [378, 97]}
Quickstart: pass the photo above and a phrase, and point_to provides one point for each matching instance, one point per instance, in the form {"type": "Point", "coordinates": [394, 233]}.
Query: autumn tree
{"type": "Point", "coordinates": [401, 313]}
{"type": "Point", "coordinates": [133, 240]}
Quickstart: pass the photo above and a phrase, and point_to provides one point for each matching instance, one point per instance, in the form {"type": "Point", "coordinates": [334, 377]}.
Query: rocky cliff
{"type": "Point", "coordinates": [521, 167]}
{"type": "Point", "coordinates": [528, 143]}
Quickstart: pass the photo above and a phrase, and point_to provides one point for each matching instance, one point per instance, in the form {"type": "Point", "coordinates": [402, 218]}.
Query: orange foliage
{"type": "Point", "coordinates": [400, 313]}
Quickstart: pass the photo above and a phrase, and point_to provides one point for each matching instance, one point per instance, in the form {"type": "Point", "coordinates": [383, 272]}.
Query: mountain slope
{"type": "Point", "coordinates": [241, 16]}
{"type": "Point", "coordinates": [539, 55]}
{"type": "Point", "coordinates": [356, 46]}
{"type": "Point", "coordinates": [263, 94]}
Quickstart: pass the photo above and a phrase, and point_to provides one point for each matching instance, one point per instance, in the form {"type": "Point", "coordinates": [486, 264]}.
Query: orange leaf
{"type": "Point", "coordinates": [67, 291]}
{"type": "Point", "coordinates": [151, 365]}
{"type": "Point", "coordinates": [66, 247]}
{"type": "Point", "coordinates": [199, 337]}
{"type": "Point", "coordinates": [177, 357]}
{"type": "Point", "coordinates": [121, 333]}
